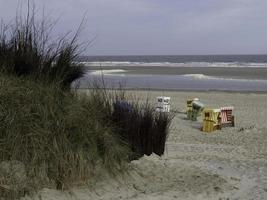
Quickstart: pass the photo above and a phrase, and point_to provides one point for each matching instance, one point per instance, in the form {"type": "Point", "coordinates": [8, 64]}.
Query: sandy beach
{"type": "Point", "coordinates": [58, 143]}
{"type": "Point", "coordinates": [225, 164]}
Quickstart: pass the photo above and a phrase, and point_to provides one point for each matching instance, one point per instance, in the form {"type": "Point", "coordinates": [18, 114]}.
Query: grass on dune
{"type": "Point", "coordinates": [27, 49]}
{"type": "Point", "coordinates": [138, 123]}
{"type": "Point", "coordinates": [63, 136]}
{"type": "Point", "coordinates": [144, 129]}
{"type": "Point", "coordinates": [56, 133]}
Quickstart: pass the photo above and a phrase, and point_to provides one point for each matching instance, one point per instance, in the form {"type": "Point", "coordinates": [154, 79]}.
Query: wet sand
{"type": "Point", "coordinates": [225, 164]}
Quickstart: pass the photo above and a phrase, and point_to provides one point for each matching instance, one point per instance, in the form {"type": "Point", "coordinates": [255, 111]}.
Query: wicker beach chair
{"type": "Point", "coordinates": [194, 109]}
{"type": "Point", "coordinates": [212, 120]}
{"type": "Point", "coordinates": [189, 108]}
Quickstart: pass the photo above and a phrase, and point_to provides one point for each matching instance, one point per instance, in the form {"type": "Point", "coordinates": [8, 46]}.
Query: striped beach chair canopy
{"type": "Point", "coordinates": [226, 114]}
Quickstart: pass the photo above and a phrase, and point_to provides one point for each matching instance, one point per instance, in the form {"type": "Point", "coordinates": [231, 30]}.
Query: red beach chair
{"type": "Point", "coordinates": [226, 116]}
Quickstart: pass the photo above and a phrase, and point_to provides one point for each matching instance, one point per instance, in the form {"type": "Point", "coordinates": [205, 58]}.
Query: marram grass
{"type": "Point", "coordinates": [60, 138]}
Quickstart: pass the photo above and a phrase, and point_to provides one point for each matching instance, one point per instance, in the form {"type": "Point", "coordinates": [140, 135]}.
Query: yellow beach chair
{"type": "Point", "coordinates": [211, 121]}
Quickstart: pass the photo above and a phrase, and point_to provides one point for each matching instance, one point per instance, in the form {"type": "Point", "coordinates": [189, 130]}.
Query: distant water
{"type": "Point", "coordinates": [208, 72]}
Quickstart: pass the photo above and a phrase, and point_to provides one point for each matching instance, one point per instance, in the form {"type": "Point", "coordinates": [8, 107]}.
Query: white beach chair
{"type": "Point", "coordinates": [163, 104]}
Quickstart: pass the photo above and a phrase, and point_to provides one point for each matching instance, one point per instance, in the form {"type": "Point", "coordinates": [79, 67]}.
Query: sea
{"type": "Point", "coordinates": [244, 73]}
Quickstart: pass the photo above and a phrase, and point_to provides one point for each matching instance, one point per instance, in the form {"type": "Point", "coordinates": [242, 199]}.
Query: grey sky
{"type": "Point", "coordinates": [148, 27]}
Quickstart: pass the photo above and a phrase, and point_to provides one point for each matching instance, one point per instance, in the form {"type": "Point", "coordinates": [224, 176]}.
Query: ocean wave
{"type": "Point", "coordinates": [205, 77]}
{"type": "Point", "coordinates": [198, 76]}
{"type": "Point", "coordinates": [107, 72]}
{"type": "Point", "coordinates": [177, 82]}
{"type": "Point", "coordinates": [171, 64]}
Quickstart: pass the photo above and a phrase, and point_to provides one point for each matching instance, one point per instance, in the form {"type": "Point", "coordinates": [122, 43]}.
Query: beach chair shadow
{"type": "Point", "coordinates": [197, 125]}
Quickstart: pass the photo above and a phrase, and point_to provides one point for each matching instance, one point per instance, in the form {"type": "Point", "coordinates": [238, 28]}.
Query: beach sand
{"type": "Point", "coordinates": [225, 164]}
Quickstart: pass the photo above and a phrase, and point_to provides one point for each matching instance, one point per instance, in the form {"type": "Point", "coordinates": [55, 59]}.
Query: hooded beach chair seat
{"type": "Point", "coordinates": [211, 120]}
{"type": "Point", "coordinates": [194, 108]}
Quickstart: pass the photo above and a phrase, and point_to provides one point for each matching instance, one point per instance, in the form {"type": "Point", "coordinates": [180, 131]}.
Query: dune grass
{"type": "Point", "coordinates": [58, 137]}
{"type": "Point", "coordinates": [138, 123]}
{"type": "Point", "coordinates": [62, 137]}
{"type": "Point", "coordinates": [27, 49]}
{"type": "Point", "coordinates": [144, 128]}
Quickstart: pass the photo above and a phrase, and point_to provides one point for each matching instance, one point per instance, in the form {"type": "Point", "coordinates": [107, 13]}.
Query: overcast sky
{"type": "Point", "coordinates": [160, 27]}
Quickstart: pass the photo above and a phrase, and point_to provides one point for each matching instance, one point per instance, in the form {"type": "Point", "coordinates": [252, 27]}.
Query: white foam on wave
{"type": "Point", "coordinates": [171, 64]}
{"type": "Point", "coordinates": [205, 77]}
{"type": "Point", "coordinates": [108, 72]}
{"type": "Point", "coordinates": [198, 76]}
{"type": "Point", "coordinates": [121, 72]}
